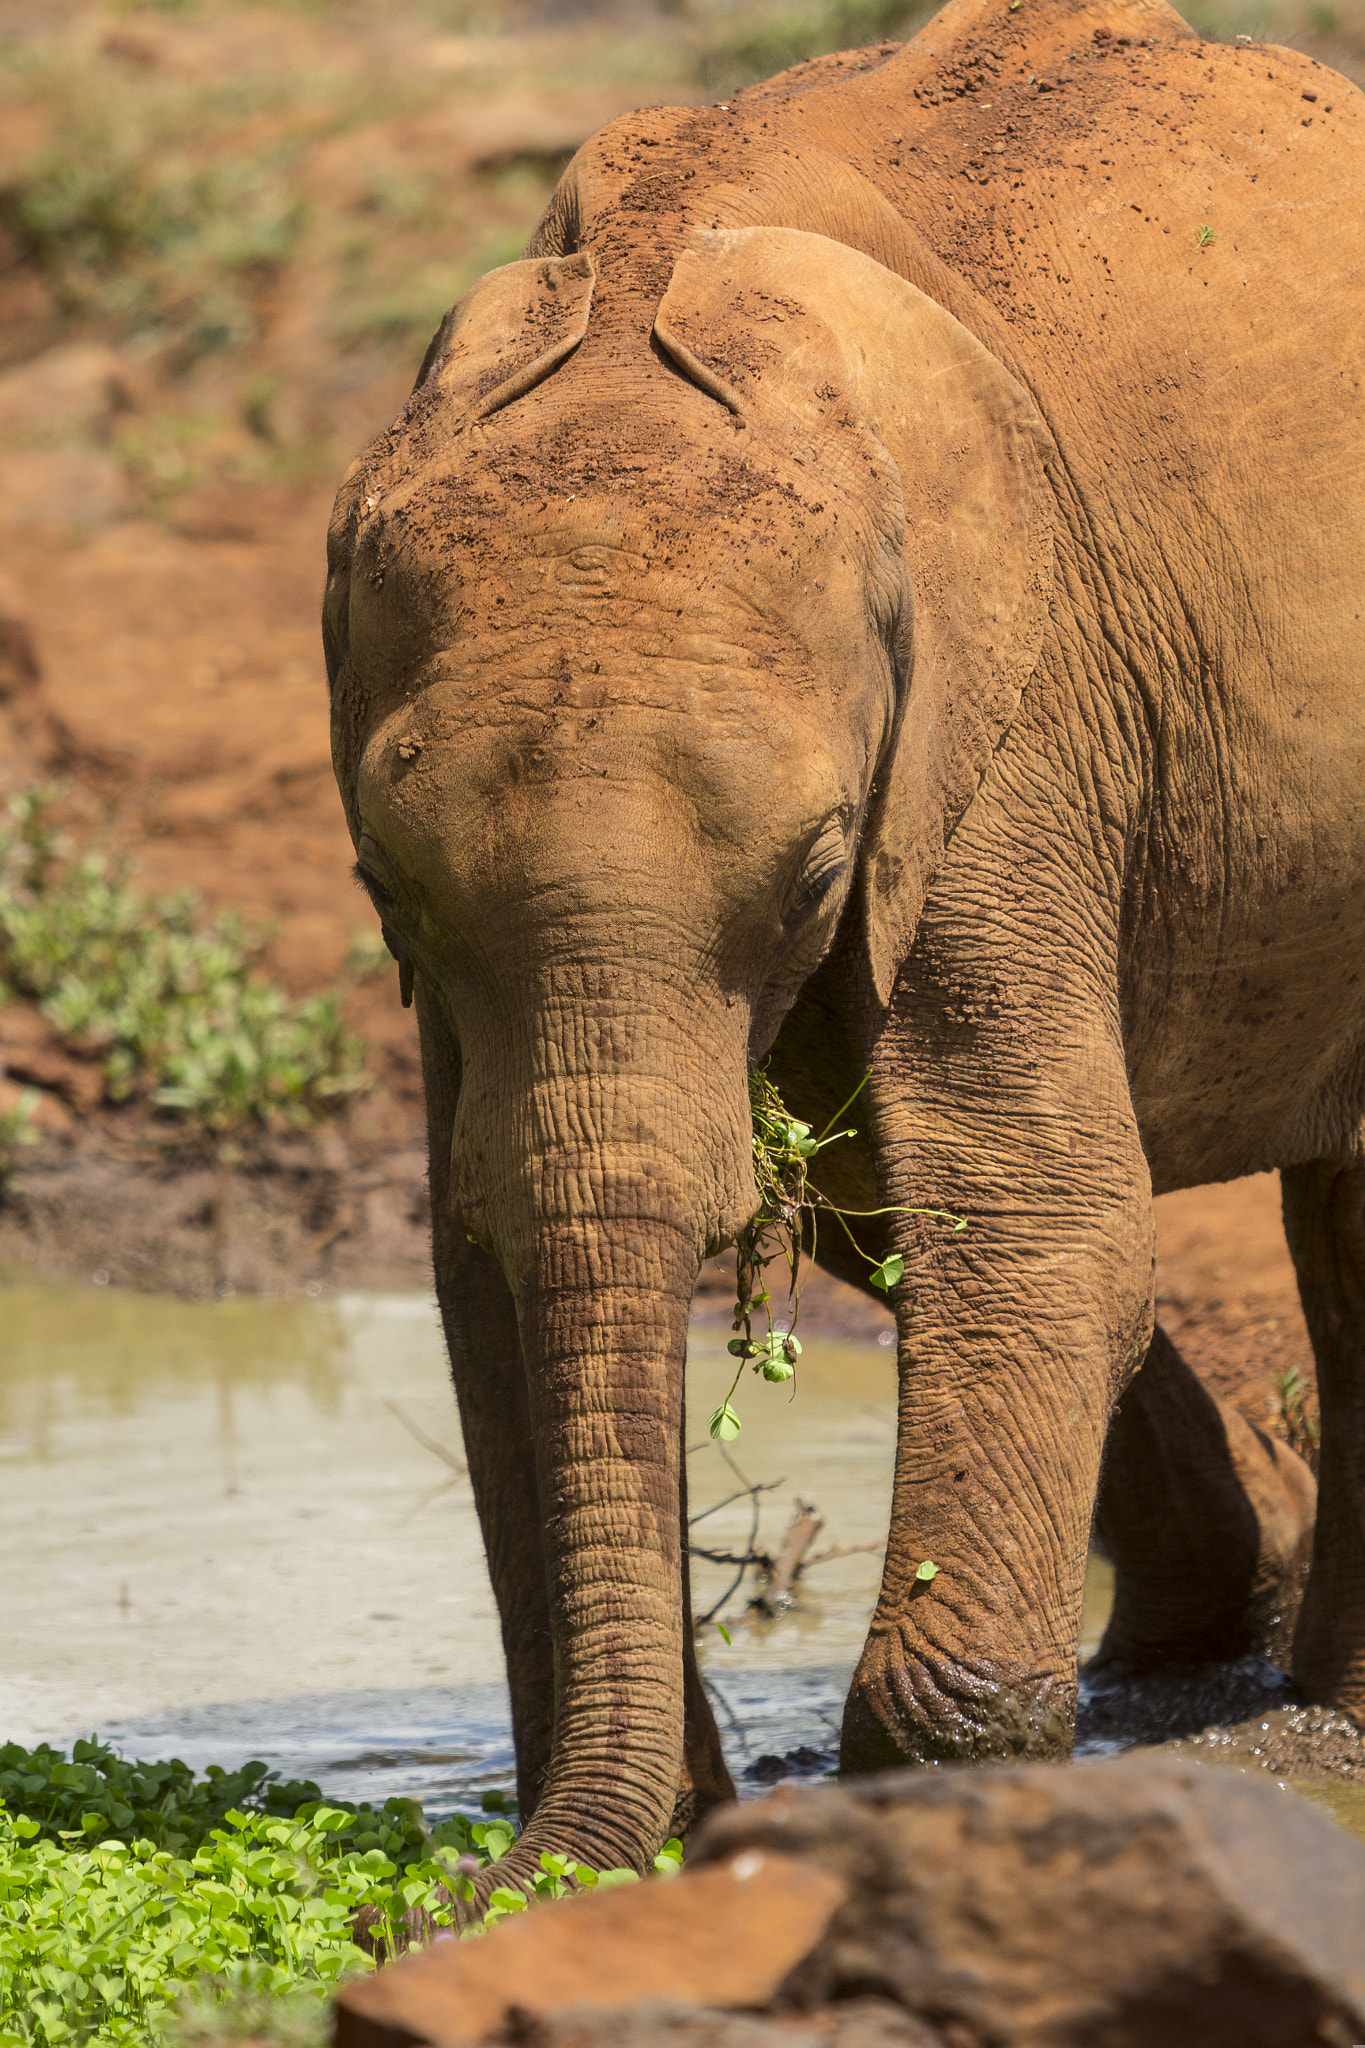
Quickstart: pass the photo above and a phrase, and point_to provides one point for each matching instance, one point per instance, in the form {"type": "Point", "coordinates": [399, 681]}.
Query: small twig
{"type": "Point", "coordinates": [753, 1491]}
{"type": "Point", "coordinates": [764, 1561]}
{"type": "Point", "coordinates": [433, 1493]}
{"type": "Point", "coordinates": [428, 1443]}
{"type": "Point", "coordinates": [736, 1724]}
{"type": "Point", "coordinates": [760, 1558]}
{"type": "Point", "coordinates": [841, 1550]}
{"type": "Point", "coordinates": [763, 1486]}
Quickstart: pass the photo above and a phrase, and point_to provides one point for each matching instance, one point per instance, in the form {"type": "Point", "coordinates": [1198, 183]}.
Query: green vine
{"type": "Point", "coordinates": [783, 1150]}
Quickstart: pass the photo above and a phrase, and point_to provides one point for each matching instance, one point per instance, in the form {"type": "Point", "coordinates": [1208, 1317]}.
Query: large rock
{"type": "Point", "coordinates": [726, 1936]}
{"type": "Point", "coordinates": [1141, 1902]}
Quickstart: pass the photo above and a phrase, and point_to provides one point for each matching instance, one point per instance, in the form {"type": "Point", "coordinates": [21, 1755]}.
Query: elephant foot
{"type": "Point", "coordinates": [899, 1712]}
{"type": "Point", "coordinates": [1208, 1521]}
{"type": "Point", "coordinates": [1320, 1683]}
{"type": "Point", "coordinates": [1328, 1666]}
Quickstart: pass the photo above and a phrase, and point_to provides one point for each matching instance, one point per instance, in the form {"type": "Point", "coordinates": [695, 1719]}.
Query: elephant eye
{"type": "Point", "coordinates": [822, 868]}
{"type": "Point", "coordinates": [382, 898]}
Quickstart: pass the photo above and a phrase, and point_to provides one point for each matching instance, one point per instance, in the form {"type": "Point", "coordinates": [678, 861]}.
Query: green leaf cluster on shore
{"type": "Point", "coordinates": [166, 995]}
{"type": "Point", "coordinates": [139, 1902]}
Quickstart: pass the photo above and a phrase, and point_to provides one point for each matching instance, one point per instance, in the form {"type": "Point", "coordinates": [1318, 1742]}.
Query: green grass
{"type": "Point", "coordinates": [131, 226]}
{"type": "Point", "coordinates": [139, 1903]}
{"type": "Point", "coordinates": [166, 995]}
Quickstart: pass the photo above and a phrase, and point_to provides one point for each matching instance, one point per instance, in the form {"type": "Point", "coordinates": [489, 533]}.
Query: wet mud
{"type": "Point", "coordinates": [1246, 1713]}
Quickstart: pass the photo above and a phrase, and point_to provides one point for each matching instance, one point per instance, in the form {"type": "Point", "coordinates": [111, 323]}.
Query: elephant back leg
{"type": "Point", "coordinates": [1207, 1521]}
{"type": "Point", "coordinates": [1324, 1219]}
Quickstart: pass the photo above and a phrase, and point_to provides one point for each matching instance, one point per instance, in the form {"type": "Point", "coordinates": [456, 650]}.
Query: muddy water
{"type": "Point", "coordinates": [243, 1529]}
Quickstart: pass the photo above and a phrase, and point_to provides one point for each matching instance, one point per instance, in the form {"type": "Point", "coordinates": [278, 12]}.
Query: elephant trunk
{"type": "Point", "coordinates": [611, 1183]}
{"type": "Point", "coordinates": [604, 1334]}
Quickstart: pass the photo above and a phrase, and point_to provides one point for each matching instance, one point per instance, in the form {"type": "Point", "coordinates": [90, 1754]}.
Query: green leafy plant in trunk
{"type": "Point", "coordinates": [789, 1207]}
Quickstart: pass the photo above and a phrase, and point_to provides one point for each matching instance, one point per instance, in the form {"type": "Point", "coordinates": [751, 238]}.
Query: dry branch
{"type": "Point", "coordinates": [778, 1571]}
{"type": "Point", "coordinates": [779, 1580]}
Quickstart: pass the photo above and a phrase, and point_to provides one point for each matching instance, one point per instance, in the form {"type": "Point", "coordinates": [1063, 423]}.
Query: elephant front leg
{"type": "Point", "coordinates": [1016, 1336]}
{"type": "Point", "coordinates": [1324, 1220]}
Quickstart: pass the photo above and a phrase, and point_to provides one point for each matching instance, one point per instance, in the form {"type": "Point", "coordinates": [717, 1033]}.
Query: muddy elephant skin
{"type": "Point", "coordinates": [880, 585]}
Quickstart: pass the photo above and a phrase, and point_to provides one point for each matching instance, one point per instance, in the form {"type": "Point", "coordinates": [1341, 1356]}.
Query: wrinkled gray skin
{"type": "Point", "coordinates": [777, 624]}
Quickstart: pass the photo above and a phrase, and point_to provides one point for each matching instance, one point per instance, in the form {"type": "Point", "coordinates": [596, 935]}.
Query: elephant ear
{"type": "Point", "coordinates": [505, 334]}
{"type": "Point", "coordinates": [794, 332]}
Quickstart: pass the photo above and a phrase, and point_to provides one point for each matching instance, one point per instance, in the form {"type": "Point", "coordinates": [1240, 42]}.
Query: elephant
{"type": "Point", "coordinates": [877, 590]}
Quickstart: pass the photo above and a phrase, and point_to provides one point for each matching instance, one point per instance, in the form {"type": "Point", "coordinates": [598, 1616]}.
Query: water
{"type": "Point", "coordinates": [243, 1529]}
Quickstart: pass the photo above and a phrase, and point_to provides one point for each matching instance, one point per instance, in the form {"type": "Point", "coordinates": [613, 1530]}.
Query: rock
{"type": "Point", "coordinates": [857, 2023]}
{"type": "Point", "coordinates": [727, 1935]}
{"type": "Point", "coordinates": [1132, 1903]}
{"type": "Point", "coordinates": [1138, 1900]}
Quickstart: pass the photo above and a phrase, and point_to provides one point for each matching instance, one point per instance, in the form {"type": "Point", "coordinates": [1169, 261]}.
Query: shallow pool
{"type": "Point", "coordinates": [241, 1529]}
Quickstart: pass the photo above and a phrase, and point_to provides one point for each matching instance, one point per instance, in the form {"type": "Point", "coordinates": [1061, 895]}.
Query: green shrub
{"type": "Point", "coordinates": [130, 1892]}
{"type": "Point", "coordinates": [16, 1131]}
{"type": "Point", "coordinates": [164, 993]}
{"type": "Point", "coordinates": [97, 1943]}
{"type": "Point", "coordinates": [122, 231]}
{"type": "Point", "coordinates": [162, 1803]}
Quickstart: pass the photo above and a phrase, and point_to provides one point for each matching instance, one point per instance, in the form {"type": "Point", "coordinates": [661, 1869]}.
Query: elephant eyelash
{"type": "Point", "coordinates": [381, 897]}
{"type": "Point", "coordinates": [817, 891]}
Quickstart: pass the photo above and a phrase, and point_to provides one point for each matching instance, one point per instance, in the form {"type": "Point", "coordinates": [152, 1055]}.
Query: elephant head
{"type": "Point", "coordinates": [665, 633]}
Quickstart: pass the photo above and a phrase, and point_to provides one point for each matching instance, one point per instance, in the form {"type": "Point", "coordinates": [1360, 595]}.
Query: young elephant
{"type": "Point", "coordinates": [880, 585]}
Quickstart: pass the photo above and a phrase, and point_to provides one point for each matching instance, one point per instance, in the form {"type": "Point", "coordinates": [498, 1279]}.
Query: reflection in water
{"type": "Point", "coordinates": [235, 1541]}
{"type": "Point", "coordinates": [110, 1352]}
